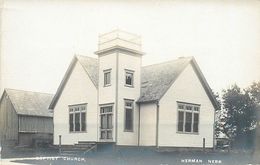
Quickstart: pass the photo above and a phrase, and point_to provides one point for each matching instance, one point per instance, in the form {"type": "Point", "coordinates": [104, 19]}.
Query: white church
{"type": "Point", "coordinates": [114, 99]}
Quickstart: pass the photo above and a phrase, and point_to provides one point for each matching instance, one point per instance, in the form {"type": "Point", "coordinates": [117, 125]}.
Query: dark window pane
{"type": "Point", "coordinates": [83, 121]}
{"type": "Point", "coordinates": [71, 122]}
{"type": "Point", "coordinates": [109, 134]}
{"type": "Point", "coordinates": [83, 108]}
{"type": "Point", "coordinates": [106, 78]}
{"type": "Point", "coordinates": [128, 104]}
{"type": "Point", "coordinates": [180, 121]}
{"type": "Point", "coordinates": [103, 121]}
{"type": "Point", "coordinates": [196, 108]}
{"type": "Point", "coordinates": [196, 123]}
{"type": "Point", "coordinates": [103, 135]}
{"type": "Point", "coordinates": [109, 109]}
{"type": "Point", "coordinates": [77, 122]}
{"type": "Point", "coordinates": [188, 122]}
{"type": "Point", "coordinates": [128, 119]}
{"type": "Point", "coordinates": [109, 121]}
{"type": "Point", "coordinates": [71, 110]}
{"type": "Point", "coordinates": [129, 79]}
{"type": "Point", "coordinates": [181, 106]}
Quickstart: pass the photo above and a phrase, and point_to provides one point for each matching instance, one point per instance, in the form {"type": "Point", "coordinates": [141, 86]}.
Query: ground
{"type": "Point", "coordinates": [129, 156]}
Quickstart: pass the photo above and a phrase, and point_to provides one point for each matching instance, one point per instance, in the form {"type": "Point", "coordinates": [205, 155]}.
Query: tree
{"type": "Point", "coordinates": [240, 112]}
{"type": "Point", "coordinates": [254, 92]}
{"type": "Point", "coordinates": [218, 116]}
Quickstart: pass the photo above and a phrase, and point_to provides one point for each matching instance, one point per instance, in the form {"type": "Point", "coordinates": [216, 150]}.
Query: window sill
{"type": "Point", "coordinates": [78, 132]}
{"type": "Point", "coordinates": [131, 131]}
{"type": "Point", "coordinates": [130, 86]}
{"type": "Point", "coordinates": [108, 85]}
{"type": "Point", "coordinates": [106, 140]}
{"type": "Point", "coordinates": [188, 133]}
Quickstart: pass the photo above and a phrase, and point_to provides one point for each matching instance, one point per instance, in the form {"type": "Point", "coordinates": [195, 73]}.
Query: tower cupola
{"type": "Point", "coordinates": [119, 40]}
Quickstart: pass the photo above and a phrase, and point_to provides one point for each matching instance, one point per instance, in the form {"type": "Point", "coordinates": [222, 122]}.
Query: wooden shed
{"type": "Point", "coordinates": [25, 118]}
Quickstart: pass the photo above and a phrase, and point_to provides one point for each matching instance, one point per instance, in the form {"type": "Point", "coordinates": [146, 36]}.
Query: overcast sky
{"type": "Point", "coordinates": [39, 38]}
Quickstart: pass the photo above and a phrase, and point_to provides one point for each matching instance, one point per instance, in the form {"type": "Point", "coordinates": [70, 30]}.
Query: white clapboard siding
{"type": "Point", "coordinates": [187, 88]}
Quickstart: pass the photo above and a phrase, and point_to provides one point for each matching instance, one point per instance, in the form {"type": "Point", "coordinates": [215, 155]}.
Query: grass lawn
{"type": "Point", "coordinates": [131, 156]}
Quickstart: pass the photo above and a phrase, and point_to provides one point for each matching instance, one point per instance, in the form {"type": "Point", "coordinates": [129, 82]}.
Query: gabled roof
{"type": "Point", "coordinates": [89, 64]}
{"type": "Point", "coordinates": [30, 103]}
{"type": "Point", "coordinates": [156, 79]}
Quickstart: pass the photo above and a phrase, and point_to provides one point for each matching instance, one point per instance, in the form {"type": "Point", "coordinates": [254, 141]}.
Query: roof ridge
{"type": "Point", "coordinates": [169, 61]}
{"type": "Point", "coordinates": [84, 56]}
{"type": "Point", "coordinates": [22, 90]}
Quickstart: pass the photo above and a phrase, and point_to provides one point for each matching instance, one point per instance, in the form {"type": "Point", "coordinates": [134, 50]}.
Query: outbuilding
{"type": "Point", "coordinates": [25, 118]}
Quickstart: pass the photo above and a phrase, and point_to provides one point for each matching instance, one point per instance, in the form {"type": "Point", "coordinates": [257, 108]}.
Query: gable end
{"type": "Point", "coordinates": [203, 81]}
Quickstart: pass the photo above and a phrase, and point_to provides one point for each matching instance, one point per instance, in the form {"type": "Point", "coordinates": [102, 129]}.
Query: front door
{"type": "Point", "coordinates": [106, 127]}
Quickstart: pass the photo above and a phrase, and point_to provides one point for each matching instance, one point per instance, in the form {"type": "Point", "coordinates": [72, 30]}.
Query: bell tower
{"type": "Point", "coordinates": [120, 58]}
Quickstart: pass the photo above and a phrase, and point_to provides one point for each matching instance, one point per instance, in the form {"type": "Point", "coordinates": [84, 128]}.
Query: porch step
{"type": "Point", "coordinates": [86, 142]}
{"type": "Point", "coordinates": [78, 148]}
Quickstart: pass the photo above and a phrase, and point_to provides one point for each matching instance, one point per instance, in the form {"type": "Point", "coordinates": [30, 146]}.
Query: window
{"type": "Point", "coordinates": [77, 118]}
{"type": "Point", "coordinates": [106, 122]}
{"type": "Point", "coordinates": [129, 110]}
{"type": "Point", "coordinates": [188, 118]}
{"type": "Point", "coordinates": [129, 78]}
{"type": "Point", "coordinates": [107, 77]}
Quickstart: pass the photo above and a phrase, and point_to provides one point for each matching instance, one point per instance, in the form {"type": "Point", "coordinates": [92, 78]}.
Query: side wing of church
{"type": "Point", "coordinates": [113, 99]}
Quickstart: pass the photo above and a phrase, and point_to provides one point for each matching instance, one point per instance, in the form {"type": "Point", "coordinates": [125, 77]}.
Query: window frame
{"type": "Point", "coordinates": [80, 111]}
{"type": "Point", "coordinates": [127, 71]}
{"type": "Point", "coordinates": [192, 111]}
{"type": "Point", "coordinates": [112, 124]}
{"type": "Point", "coordinates": [107, 71]}
{"type": "Point", "coordinates": [132, 109]}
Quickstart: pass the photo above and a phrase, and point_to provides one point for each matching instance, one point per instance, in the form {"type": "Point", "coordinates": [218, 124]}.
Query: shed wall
{"type": "Point", "coordinates": [8, 120]}
{"type": "Point", "coordinates": [35, 124]}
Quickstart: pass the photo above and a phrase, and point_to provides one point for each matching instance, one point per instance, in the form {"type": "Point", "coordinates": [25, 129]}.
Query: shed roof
{"type": "Point", "coordinates": [30, 103]}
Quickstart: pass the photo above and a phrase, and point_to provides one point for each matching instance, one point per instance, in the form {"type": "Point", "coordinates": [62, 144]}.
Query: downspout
{"type": "Point", "coordinates": [139, 119]}
{"type": "Point", "coordinates": [98, 108]}
{"type": "Point", "coordinates": [18, 138]}
{"type": "Point", "coordinates": [157, 123]}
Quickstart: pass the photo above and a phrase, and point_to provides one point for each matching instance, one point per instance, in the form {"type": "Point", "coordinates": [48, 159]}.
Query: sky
{"type": "Point", "coordinates": [40, 37]}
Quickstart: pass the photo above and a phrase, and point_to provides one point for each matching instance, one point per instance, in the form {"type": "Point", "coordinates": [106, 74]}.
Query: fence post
{"type": "Point", "coordinates": [60, 144]}
{"type": "Point", "coordinates": [203, 144]}
{"type": "Point", "coordinates": [0, 149]}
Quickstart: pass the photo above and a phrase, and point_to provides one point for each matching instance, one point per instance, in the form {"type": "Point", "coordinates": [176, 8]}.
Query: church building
{"type": "Point", "coordinates": [114, 99]}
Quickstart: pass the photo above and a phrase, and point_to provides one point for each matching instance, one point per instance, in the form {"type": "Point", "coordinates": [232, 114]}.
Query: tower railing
{"type": "Point", "coordinates": [119, 38]}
